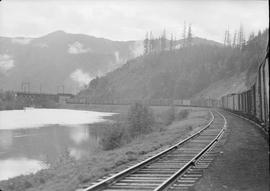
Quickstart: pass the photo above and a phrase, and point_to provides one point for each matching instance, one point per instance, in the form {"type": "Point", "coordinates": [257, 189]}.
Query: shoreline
{"type": "Point", "coordinates": [103, 162]}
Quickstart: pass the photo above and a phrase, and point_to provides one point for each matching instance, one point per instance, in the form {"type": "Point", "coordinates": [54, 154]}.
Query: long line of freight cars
{"type": "Point", "coordinates": [254, 103]}
{"type": "Point", "coordinates": [154, 102]}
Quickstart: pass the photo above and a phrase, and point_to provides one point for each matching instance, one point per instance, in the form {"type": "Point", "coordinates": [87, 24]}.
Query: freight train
{"type": "Point", "coordinates": [253, 103]}
{"type": "Point", "coordinates": [154, 102]}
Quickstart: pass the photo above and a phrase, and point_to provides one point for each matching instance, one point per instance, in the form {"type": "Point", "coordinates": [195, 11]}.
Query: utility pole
{"type": "Point", "coordinates": [25, 87]}
{"type": "Point", "coordinates": [28, 83]}
{"type": "Point", "coordinates": [22, 86]}
{"type": "Point", "coordinates": [184, 35]}
{"type": "Point", "coordinates": [40, 89]}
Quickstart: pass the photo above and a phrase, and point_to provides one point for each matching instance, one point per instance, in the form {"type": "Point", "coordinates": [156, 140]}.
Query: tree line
{"type": "Point", "coordinates": [238, 38]}
{"type": "Point", "coordinates": [161, 43]}
{"type": "Point", "coordinates": [180, 75]}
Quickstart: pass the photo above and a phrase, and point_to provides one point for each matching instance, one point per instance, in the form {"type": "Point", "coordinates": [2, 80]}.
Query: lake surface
{"type": "Point", "coordinates": [31, 139]}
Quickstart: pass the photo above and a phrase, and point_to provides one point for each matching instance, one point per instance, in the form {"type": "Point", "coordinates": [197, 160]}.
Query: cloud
{"type": "Point", "coordinates": [22, 41]}
{"type": "Point", "coordinates": [127, 20]}
{"type": "Point", "coordinates": [6, 63]}
{"type": "Point", "coordinates": [77, 48]}
{"type": "Point", "coordinates": [81, 77]}
{"type": "Point", "coordinates": [137, 48]}
{"type": "Point", "coordinates": [118, 58]}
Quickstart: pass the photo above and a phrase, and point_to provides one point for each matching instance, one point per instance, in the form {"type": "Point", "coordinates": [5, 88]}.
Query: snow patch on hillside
{"type": "Point", "coordinates": [22, 41]}
{"type": "Point", "coordinates": [6, 63]}
{"type": "Point", "coordinates": [77, 48]}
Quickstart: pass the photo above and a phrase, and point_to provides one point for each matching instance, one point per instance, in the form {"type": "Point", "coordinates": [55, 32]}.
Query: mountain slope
{"type": "Point", "coordinates": [60, 58]}
{"type": "Point", "coordinates": [233, 84]}
{"type": "Point", "coordinates": [181, 74]}
{"type": "Point", "coordinates": [249, 59]}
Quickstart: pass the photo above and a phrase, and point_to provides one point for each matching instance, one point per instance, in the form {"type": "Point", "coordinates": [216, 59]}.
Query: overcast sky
{"type": "Point", "coordinates": [129, 20]}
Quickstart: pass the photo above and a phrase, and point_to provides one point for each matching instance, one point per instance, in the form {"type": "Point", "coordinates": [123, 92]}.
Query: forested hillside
{"type": "Point", "coordinates": [181, 73]}
{"type": "Point", "coordinates": [248, 58]}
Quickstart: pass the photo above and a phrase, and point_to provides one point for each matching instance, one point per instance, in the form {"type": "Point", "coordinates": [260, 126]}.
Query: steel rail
{"type": "Point", "coordinates": [194, 159]}
{"type": "Point", "coordinates": [133, 168]}
{"type": "Point", "coordinates": [247, 119]}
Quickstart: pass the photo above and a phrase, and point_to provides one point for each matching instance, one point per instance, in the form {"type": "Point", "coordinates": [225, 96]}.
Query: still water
{"type": "Point", "coordinates": [31, 139]}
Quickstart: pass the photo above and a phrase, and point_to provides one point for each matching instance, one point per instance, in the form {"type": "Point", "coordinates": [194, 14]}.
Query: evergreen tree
{"type": "Point", "coordinates": [174, 42]}
{"type": "Point", "coordinates": [189, 37]}
{"type": "Point", "coordinates": [241, 37]}
{"type": "Point", "coordinates": [184, 35]}
{"type": "Point", "coordinates": [163, 41]}
{"type": "Point", "coordinates": [146, 44]}
{"type": "Point", "coordinates": [151, 42]}
{"type": "Point", "coordinates": [234, 40]}
{"type": "Point", "coordinates": [225, 38]}
{"type": "Point", "coordinates": [229, 42]}
{"type": "Point", "coordinates": [171, 42]}
{"type": "Point", "coordinates": [251, 36]}
{"type": "Point", "coordinates": [155, 45]}
{"type": "Point", "coordinates": [159, 44]}
{"type": "Point", "coordinates": [140, 119]}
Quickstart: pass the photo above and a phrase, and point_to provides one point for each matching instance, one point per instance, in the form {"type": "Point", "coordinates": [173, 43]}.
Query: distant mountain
{"type": "Point", "coordinates": [199, 41]}
{"type": "Point", "coordinates": [60, 58]}
{"type": "Point", "coordinates": [201, 70]}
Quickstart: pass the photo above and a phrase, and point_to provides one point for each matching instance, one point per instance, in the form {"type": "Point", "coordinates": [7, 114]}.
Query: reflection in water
{"type": "Point", "coordinates": [46, 144]}
{"type": "Point", "coordinates": [19, 166]}
{"type": "Point", "coordinates": [85, 141]}
{"type": "Point", "coordinates": [79, 134]}
{"type": "Point", "coordinates": [5, 139]}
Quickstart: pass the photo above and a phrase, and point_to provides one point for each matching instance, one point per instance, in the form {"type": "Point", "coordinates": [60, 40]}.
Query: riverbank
{"type": "Point", "coordinates": [69, 174]}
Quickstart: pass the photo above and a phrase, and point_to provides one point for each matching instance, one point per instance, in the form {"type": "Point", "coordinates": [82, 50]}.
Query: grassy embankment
{"type": "Point", "coordinates": [69, 174]}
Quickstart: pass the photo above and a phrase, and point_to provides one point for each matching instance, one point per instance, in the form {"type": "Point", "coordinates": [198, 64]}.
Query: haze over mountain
{"type": "Point", "coordinates": [60, 58]}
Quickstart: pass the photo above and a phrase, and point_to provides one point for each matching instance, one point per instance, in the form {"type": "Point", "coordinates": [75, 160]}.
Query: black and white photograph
{"type": "Point", "coordinates": [134, 95]}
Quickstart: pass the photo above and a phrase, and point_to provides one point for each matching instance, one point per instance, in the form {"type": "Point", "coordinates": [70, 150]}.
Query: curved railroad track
{"type": "Point", "coordinates": [161, 171]}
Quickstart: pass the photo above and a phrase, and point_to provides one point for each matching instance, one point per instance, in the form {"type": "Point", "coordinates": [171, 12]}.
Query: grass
{"type": "Point", "coordinates": [183, 114]}
{"type": "Point", "coordinates": [69, 174]}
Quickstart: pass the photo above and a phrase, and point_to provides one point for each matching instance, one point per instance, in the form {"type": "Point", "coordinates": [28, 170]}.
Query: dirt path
{"type": "Point", "coordinates": [244, 163]}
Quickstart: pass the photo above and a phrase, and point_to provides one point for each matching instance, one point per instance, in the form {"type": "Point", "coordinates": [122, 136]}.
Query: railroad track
{"type": "Point", "coordinates": [175, 168]}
